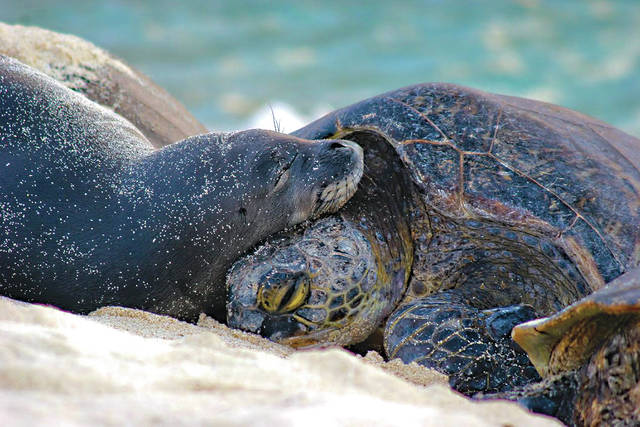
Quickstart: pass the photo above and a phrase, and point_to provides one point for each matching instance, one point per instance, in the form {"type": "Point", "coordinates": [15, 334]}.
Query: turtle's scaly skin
{"type": "Point", "coordinates": [514, 203]}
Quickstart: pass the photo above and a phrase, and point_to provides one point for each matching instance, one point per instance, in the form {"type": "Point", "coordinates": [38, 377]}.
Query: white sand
{"type": "Point", "coordinates": [127, 367]}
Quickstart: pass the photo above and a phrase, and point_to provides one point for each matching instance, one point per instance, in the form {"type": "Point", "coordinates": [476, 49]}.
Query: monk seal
{"type": "Point", "coordinates": [92, 215]}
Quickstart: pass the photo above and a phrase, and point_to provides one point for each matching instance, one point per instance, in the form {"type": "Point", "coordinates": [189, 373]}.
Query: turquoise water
{"type": "Point", "coordinates": [227, 61]}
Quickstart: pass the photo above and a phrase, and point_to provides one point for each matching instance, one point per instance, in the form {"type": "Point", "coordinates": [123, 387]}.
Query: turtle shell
{"type": "Point", "coordinates": [538, 204]}
{"type": "Point", "coordinates": [530, 166]}
{"type": "Point", "coordinates": [567, 339]}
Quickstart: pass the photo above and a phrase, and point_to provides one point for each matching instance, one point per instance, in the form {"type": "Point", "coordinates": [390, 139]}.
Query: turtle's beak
{"type": "Point", "coordinates": [281, 328]}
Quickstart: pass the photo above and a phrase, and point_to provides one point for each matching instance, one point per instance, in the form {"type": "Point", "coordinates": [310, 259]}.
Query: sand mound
{"type": "Point", "coordinates": [121, 366]}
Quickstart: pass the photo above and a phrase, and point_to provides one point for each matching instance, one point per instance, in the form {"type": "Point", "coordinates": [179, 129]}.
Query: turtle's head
{"type": "Point", "coordinates": [320, 287]}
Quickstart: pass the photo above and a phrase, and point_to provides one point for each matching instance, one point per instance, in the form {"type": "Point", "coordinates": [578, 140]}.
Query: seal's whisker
{"type": "Point", "coordinates": [276, 122]}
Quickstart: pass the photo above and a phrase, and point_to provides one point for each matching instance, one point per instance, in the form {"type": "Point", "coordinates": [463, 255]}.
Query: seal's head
{"type": "Point", "coordinates": [299, 179]}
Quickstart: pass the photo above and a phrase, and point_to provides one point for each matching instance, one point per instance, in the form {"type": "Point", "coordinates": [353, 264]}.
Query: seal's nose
{"type": "Point", "coordinates": [336, 144]}
{"type": "Point", "coordinates": [340, 144]}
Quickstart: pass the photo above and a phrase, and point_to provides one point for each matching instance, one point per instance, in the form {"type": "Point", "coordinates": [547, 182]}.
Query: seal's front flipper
{"type": "Point", "coordinates": [472, 346]}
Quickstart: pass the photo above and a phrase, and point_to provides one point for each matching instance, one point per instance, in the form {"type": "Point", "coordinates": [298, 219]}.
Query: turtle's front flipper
{"type": "Point", "coordinates": [472, 346]}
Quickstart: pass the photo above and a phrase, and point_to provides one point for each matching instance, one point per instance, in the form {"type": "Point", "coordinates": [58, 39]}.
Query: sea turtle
{"type": "Point", "coordinates": [91, 214]}
{"type": "Point", "coordinates": [589, 356]}
{"type": "Point", "coordinates": [476, 212]}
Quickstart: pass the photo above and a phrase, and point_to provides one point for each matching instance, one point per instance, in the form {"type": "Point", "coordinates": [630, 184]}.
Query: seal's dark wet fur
{"type": "Point", "coordinates": [91, 214]}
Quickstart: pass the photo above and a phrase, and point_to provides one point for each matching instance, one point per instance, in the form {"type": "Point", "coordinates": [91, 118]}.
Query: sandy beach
{"type": "Point", "coordinates": [127, 367]}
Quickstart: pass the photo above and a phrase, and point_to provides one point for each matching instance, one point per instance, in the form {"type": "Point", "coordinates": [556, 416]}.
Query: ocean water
{"type": "Point", "coordinates": [230, 61]}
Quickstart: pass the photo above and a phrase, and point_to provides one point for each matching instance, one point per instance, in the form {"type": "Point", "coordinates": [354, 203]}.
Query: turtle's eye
{"type": "Point", "coordinates": [283, 292]}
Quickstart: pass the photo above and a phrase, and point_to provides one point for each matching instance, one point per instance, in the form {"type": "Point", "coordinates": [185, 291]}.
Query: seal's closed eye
{"type": "Point", "coordinates": [283, 174]}
{"type": "Point", "coordinates": [282, 180]}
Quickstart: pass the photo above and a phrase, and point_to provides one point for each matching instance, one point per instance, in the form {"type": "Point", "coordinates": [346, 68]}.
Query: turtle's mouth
{"type": "Point", "coordinates": [333, 195]}
{"type": "Point", "coordinates": [288, 330]}
{"type": "Point", "coordinates": [283, 329]}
